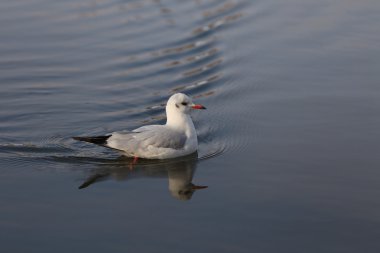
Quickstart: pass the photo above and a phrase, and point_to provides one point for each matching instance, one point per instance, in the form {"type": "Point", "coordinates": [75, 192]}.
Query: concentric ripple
{"type": "Point", "coordinates": [92, 67]}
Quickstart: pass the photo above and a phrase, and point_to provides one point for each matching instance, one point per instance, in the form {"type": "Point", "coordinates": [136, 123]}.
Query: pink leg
{"type": "Point", "coordinates": [135, 159]}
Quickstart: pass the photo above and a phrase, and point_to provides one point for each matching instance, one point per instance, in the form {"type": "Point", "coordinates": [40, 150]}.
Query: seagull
{"type": "Point", "coordinates": [174, 139]}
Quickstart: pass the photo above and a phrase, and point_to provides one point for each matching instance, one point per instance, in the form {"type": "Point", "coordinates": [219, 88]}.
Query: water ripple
{"type": "Point", "coordinates": [115, 62]}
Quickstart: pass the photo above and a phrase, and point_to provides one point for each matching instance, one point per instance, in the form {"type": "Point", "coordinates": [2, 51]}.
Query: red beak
{"type": "Point", "coordinates": [198, 107]}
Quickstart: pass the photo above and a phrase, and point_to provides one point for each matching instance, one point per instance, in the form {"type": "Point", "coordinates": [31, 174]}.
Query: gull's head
{"type": "Point", "coordinates": [181, 103]}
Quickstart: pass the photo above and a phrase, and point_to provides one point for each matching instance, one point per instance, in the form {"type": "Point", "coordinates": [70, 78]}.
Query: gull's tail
{"type": "Point", "coordinates": [99, 140]}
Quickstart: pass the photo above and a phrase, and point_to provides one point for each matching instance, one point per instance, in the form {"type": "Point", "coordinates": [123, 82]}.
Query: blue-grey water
{"type": "Point", "coordinates": [289, 145]}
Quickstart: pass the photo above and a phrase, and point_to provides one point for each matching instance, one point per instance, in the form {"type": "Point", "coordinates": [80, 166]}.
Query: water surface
{"type": "Point", "coordinates": [288, 146]}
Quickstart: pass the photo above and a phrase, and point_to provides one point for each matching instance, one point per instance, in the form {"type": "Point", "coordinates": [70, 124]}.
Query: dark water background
{"type": "Point", "coordinates": [289, 145]}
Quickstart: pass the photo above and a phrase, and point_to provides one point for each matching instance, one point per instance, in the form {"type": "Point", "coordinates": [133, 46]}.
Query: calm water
{"type": "Point", "coordinates": [289, 145]}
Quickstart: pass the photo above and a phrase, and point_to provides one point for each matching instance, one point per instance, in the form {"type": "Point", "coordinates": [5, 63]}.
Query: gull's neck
{"type": "Point", "coordinates": [181, 121]}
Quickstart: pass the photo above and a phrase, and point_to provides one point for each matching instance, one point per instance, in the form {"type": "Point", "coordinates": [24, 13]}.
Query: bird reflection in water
{"type": "Point", "coordinates": [179, 171]}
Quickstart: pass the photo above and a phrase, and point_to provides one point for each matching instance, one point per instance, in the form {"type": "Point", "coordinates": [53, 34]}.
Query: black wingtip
{"type": "Point", "coordinates": [99, 140]}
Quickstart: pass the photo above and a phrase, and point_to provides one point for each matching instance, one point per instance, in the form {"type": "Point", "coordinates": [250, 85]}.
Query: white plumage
{"type": "Point", "coordinates": [174, 139]}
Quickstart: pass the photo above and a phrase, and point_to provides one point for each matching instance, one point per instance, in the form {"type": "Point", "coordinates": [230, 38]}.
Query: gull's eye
{"type": "Point", "coordinates": [184, 103]}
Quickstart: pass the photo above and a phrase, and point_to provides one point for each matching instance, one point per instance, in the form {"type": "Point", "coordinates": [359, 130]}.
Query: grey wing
{"type": "Point", "coordinates": [162, 137]}
{"type": "Point", "coordinates": [155, 135]}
